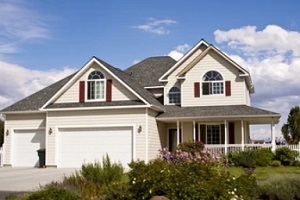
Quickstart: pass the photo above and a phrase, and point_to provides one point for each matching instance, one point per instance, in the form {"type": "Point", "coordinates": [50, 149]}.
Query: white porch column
{"type": "Point", "coordinates": [178, 132]}
{"type": "Point", "coordinates": [226, 136]}
{"type": "Point", "coordinates": [194, 131]}
{"type": "Point", "coordinates": [243, 135]}
{"type": "Point", "coordinates": [273, 136]}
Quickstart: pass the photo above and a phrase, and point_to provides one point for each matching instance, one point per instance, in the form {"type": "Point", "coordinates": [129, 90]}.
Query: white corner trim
{"type": "Point", "coordinates": [147, 137]}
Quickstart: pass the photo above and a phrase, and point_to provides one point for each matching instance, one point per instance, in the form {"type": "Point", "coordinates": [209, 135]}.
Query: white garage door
{"type": "Point", "coordinates": [87, 145]}
{"type": "Point", "coordinates": [25, 146]}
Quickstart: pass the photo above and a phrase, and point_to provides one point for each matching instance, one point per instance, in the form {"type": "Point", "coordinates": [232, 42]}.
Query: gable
{"type": "Point", "coordinates": [119, 92]}
{"type": "Point", "coordinates": [185, 60]}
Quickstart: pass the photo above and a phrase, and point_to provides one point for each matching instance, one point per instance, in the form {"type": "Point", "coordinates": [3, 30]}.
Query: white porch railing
{"type": "Point", "coordinates": [1, 156]}
{"type": "Point", "coordinates": [220, 148]}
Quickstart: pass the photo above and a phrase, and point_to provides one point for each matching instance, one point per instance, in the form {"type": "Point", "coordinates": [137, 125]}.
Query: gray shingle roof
{"type": "Point", "coordinates": [132, 83]}
{"type": "Point", "coordinates": [94, 104]}
{"type": "Point", "coordinates": [173, 111]}
{"type": "Point", "coordinates": [148, 71]}
{"type": "Point", "coordinates": [35, 101]}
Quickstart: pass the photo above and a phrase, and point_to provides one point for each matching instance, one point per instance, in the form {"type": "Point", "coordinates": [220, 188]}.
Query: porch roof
{"type": "Point", "coordinates": [226, 112]}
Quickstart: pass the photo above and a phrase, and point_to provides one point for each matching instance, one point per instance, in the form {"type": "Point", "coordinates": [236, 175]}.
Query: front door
{"type": "Point", "coordinates": [173, 139]}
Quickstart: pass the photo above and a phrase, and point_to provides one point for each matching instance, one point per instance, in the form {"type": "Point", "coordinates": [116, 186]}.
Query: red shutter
{"type": "Point", "coordinates": [108, 90]}
{"type": "Point", "coordinates": [231, 132]}
{"type": "Point", "coordinates": [197, 89]}
{"type": "Point", "coordinates": [227, 88]}
{"type": "Point", "coordinates": [81, 91]}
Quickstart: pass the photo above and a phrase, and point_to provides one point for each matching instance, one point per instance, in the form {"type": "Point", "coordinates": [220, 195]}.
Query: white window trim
{"type": "Point", "coordinates": [168, 95]}
{"type": "Point", "coordinates": [199, 133]}
{"type": "Point", "coordinates": [87, 88]}
{"type": "Point", "coordinates": [222, 81]}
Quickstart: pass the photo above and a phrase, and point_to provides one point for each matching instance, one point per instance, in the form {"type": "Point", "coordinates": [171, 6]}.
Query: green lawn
{"type": "Point", "coordinates": [265, 173]}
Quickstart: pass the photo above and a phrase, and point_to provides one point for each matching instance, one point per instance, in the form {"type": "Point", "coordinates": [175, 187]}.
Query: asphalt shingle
{"type": "Point", "coordinates": [148, 71]}
{"type": "Point", "coordinates": [173, 111]}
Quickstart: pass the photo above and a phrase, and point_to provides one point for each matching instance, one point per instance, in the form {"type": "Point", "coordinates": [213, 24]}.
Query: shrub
{"type": "Point", "coordinates": [53, 193]}
{"type": "Point", "coordinates": [191, 147]}
{"type": "Point", "coordinates": [280, 187]}
{"type": "Point", "coordinates": [248, 159]}
{"type": "Point", "coordinates": [275, 163]}
{"type": "Point", "coordinates": [94, 179]}
{"type": "Point", "coordinates": [286, 156]}
{"type": "Point", "coordinates": [264, 157]}
{"type": "Point", "coordinates": [186, 177]}
{"type": "Point", "coordinates": [104, 173]}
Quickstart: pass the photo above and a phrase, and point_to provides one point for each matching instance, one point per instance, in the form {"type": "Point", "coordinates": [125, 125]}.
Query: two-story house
{"type": "Point", "coordinates": [131, 114]}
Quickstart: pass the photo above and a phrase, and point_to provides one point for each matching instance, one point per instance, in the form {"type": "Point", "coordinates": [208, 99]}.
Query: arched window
{"type": "Point", "coordinates": [174, 95]}
{"type": "Point", "coordinates": [212, 83]}
{"type": "Point", "coordinates": [95, 88]}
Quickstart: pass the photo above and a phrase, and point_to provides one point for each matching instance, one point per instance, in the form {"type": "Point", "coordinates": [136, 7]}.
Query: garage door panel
{"type": "Point", "coordinates": [26, 144]}
{"type": "Point", "coordinates": [86, 145]}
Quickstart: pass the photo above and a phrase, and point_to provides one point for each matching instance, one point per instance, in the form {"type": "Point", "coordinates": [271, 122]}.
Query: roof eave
{"type": "Point", "coordinates": [276, 116]}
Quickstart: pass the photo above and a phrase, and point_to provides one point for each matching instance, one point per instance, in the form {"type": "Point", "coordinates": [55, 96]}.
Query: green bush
{"type": "Point", "coordinates": [187, 180]}
{"type": "Point", "coordinates": [95, 179]}
{"type": "Point", "coordinates": [275, 163]}
{"type": "Point", "coordinates": [264, 157]}
{"type": "Point", "coordinates": [286, 156]}
{"type": "Point", "coordinates": [250, 158]}
{"type": "Point", "coordinates": [104, 173]}
{"type": "Point", "coordinates": [53, 194]}
{"type": "Point", "coordinates": [118, 191]}
{"type": "Point", "coordinates": [191, 147]}
{"type": "Point", "coordinates": [280, 187]}
{"type": "Point", "coordinates": [233, 158]}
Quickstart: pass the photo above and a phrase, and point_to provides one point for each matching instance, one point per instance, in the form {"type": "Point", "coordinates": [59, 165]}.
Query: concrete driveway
{"type": "Point", "coordinates": [29, 179]}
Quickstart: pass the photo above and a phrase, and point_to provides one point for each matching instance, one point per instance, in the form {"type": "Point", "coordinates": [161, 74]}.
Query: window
{"type": "Point", "coordinates": [174, 95]}
{"type": "Point", "coordinates": [96, 85]}
{"type": "Point", "coordinates": [213, 134]}
{"type": "Point", "coordinates": [212, 83]}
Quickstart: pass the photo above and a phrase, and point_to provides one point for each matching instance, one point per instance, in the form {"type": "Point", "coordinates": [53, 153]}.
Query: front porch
{"type": "Point", "coordinates": [218, 136]}
{"type": "Point", "coordinates": [221, 128]}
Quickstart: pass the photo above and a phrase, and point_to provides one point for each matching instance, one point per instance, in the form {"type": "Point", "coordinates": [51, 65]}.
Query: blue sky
{"type": "Point", "coordinates": [43, 41]}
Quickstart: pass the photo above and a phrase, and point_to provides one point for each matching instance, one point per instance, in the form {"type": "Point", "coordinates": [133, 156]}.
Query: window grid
{"type": "Point", "coordinates": [174, 95]}
{"type": "Point", "coordinates": [96, 82]}
{"type": "Point", "coordinates": [212, 83]}
{"type": "Point", "coordinates": [213, 134]}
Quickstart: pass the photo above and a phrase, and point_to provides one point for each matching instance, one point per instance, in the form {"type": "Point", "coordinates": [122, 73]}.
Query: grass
{"type": "Point", "coordinates": [265, 173]}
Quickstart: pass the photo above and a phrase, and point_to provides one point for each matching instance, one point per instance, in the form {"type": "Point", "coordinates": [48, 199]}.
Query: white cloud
{"type": "Point", "coordinates": [19, 24]}
{"type": "Point", "coordinates": [155, 26]}
{"type": "Point", "coordinates": [272, 57]}
{"type": "Point", "coordinates": [18, 82]}
{"type": "Point", "coordinates": [179, 51]}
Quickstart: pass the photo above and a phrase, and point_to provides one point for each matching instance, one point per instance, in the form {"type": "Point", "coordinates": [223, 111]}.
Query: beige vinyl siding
{"type": "Point", "coordinates": [212, 61]}
{"type": "Point", "coordinates": [20, 121]}
{"type": "Point", "coordinates": [154, 138]}
{"type": "Point", "coordinates": [135, 117]}
{"type": "Point", "coordinates": [172, 80]}
{"type": "Point", "coordinates": [119, 91]}
{"type": "Point", "coordinates": [162, 130]}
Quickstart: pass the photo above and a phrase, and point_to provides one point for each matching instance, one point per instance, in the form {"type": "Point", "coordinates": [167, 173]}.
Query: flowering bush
{"type": "Point", "coordinates": [187, 175]}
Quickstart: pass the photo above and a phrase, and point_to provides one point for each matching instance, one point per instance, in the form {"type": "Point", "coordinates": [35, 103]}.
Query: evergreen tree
{"type": "Point", "coordinates": [291, 130]}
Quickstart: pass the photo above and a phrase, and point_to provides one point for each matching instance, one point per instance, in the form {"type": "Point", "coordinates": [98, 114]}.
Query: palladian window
{"type": "Point", "coordinates": [212, 83]}
{"type": "Point", "coordinates": [96, 85]}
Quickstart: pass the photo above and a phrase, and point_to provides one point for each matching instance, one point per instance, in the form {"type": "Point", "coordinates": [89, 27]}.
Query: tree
{"type": "Point", "coordinates": [291, 130]}
{"type": "Point", "coordinates": [1, 132]}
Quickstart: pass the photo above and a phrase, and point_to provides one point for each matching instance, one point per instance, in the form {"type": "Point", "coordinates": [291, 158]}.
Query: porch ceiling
{"type": "Point", "coordinates": [217, 113]}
